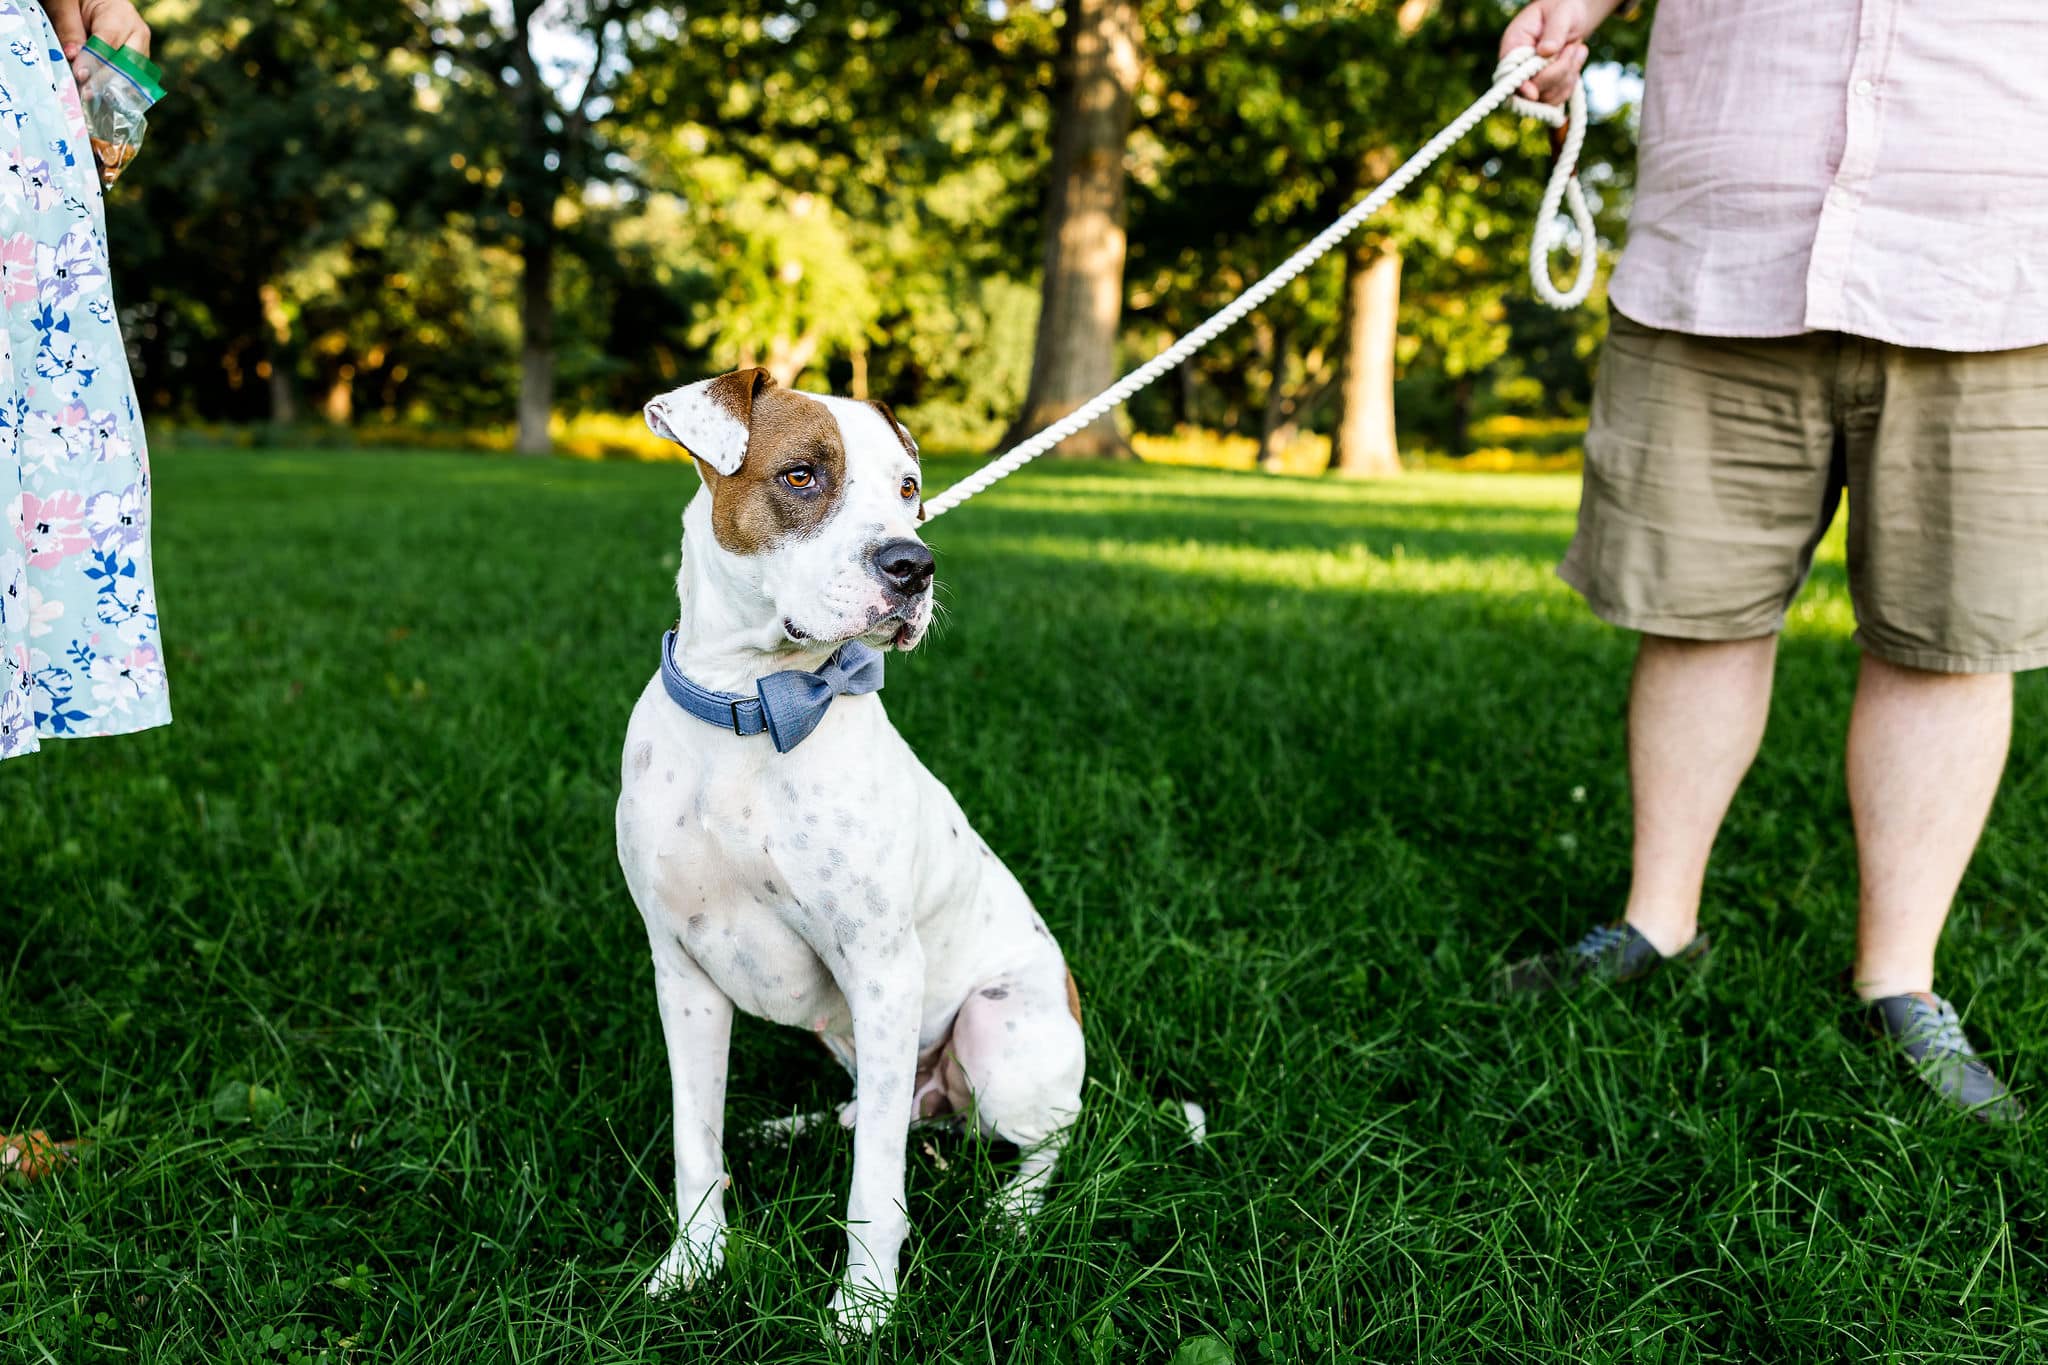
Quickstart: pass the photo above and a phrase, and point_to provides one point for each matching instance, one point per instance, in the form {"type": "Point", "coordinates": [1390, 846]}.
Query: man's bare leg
{"type": "Point", "coordinates": [1926, 751]}
{"type": "Point", "coordinates": [1696, 716]}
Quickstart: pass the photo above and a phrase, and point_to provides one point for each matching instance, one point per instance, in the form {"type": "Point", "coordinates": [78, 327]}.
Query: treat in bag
{"type": "Point", "coordinates": [119, 87]}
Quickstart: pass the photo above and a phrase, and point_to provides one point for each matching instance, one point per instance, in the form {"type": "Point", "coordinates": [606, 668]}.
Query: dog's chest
{"type": "Point", "coordinates": [763, 965]}
{"type": "Point", "coordinates": [747, 878]}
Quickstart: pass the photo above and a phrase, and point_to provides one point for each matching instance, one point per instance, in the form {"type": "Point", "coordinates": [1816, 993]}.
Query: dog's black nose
{"type": "Point", "coordinates": [905, 565]}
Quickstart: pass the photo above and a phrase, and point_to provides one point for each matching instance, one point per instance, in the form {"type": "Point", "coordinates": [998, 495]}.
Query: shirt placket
{"type": "Point", "coordinates": [1834, 242]}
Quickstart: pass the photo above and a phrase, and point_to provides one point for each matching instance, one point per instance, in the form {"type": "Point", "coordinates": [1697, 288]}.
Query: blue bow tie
{"type": "Point", "coordinates": [787, 705]}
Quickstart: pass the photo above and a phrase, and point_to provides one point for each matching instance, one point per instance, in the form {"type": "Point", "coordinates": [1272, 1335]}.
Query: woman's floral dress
{"type": "Point", "coordinates": [79, 649]}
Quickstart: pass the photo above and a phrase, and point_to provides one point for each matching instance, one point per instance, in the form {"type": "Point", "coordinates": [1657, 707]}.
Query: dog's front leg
{"type": "Point", "coordinates": [886, 996]}
{"type": "Point", "coordinates": [696, 1021]}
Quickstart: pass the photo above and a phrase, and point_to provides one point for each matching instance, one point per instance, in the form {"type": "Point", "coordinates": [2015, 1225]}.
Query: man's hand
{"type": "Point", "coordinates": [1556, 29]}
{"type": "Point", "coordinates": [113, 22]}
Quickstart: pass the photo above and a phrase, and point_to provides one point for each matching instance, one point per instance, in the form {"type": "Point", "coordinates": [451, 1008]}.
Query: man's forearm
{"type": "Point", "coordinates": [1599, 12]}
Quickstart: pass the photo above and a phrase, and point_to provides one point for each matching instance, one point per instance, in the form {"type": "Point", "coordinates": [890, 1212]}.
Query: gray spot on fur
{"type": "Point", "coordinates": [696, 922]}
{"type": "Point", "coordinates": [772, 888]}
{"type": "Point", "coordinates": [643, 755]}
{"type": "Point", "coordinates": [996, 993]}
{"type": "Point", "coordinates": [874, 990]}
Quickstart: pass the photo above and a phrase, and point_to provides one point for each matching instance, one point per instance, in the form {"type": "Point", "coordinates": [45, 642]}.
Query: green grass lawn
{"type": "Point", "coordinates": [340, 971]}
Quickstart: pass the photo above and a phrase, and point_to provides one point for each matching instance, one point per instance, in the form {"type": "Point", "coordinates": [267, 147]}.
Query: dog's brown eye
{"type": "Point", "coordinates": [800, 477]}
{"type": "Point", "coordinates": [909, 487]}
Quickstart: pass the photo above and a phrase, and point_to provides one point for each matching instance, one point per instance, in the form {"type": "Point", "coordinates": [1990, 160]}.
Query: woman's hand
{"type": "Point", "coordinates": [1556, 29]}
{"type": "Point", "coordinates": [113, 22]}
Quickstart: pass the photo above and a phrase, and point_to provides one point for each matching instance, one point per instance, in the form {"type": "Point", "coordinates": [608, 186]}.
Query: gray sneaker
{"type": "Point", "coordinates": [1925, 1030]}
{"type": "Point", "coordinates": [1610, 952]}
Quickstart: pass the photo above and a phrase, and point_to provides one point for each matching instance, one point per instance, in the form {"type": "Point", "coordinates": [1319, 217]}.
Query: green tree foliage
{"type": "Point", "coordinates": [536, 126]}
{"type": "Point", "coordinates": [353, 210]}
{"type": "Point", "coordinates": [899, 147]}
{"type": "Point", "coordinates": [1264, 123]}
{"type": "Point", "coordinates": [291, 125]}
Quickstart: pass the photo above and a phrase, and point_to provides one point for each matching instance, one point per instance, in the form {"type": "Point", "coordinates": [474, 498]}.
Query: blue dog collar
{"type": "Point", "coordinates": [786, 706]}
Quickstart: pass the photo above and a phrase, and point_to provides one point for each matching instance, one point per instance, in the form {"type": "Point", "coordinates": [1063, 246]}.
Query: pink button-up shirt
{"type": "Point", "coordinates": [1878, 167]}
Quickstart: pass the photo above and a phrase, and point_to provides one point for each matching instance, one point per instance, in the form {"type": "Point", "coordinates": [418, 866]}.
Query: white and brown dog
{"type": "Point", "coordinates": [791, 856]}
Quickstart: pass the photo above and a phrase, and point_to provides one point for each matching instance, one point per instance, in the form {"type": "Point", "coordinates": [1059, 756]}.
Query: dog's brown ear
{"type": "Point", "coordinates": [712, 418]}
{"type": "Point", "coordinates": [902, 432]}
{"type": "Point", "coordinates": [903, 435]}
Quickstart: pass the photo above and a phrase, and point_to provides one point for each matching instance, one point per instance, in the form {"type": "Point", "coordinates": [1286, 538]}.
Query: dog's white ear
{"type": "Point", "coordinates": [711, 419]}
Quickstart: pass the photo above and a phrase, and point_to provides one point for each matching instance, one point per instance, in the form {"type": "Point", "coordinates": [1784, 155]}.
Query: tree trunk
{"type": "Point", "coordinates": [537, 333]}
{"type": "Point", "coordinates": [1081, 295]}
{"type": "Point", "coordinates": [788, 357]}
{"type": "Point", "coordinates": [1365, 443]}
{"type": "Point", "coordinates": [284, 389]}
{"type": "Point", "coordinates": [1461, 415]}
{"type": "Point", "coordinates": [339, 404]}
{"type": "Point", "coordinates": [284, 386]}
{"type": "Point", "coordinates": [1185, 380]}
{"type": "Point", "coordinates": [1273, 345]}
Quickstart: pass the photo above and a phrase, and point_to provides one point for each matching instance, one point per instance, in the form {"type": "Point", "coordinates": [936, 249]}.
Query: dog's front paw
{"type": "Point", "coordinates": [696, 1256]}
{"type": "Point", "coordinates": [860, 1307]}
{"type": "Point", "coordinates": [1017, 1207]}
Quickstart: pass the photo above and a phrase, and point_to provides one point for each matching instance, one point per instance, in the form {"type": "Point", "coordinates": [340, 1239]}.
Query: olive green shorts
{"type": "Point", "coordinates": [1714, 466]}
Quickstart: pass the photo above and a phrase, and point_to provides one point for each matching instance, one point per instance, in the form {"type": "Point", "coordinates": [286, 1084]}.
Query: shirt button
{"type": "Point", "coordinates": [1864, 87]}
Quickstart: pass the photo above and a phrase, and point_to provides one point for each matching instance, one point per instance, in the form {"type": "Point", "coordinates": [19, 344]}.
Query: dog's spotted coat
{"type": "Point", "coordinates": [837, 888]}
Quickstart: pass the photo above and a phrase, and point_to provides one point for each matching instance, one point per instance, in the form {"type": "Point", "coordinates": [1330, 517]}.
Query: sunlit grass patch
{"type": "Point", "coordinates": [1353, 569]}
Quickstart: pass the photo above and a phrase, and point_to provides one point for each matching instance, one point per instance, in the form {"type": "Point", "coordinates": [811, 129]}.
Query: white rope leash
{"type": "Point", "coordinates": [1563, 185]}
{"type": "Point", "coordinates": [1519, 65]}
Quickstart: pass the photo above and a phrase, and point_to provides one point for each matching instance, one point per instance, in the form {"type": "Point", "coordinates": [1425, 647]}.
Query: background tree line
{"type": "Point", "coordinates": [456, 213]}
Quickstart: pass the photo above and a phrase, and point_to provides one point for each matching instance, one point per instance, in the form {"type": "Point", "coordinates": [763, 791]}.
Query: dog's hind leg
{"type": "Point", "coordinates": [1017, 1050]}
{"type": "Point", "coordinates": [696, 1022]}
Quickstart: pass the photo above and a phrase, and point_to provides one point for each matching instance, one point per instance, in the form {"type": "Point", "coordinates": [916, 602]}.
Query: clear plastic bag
{"type": "Point", "coordinates": [117, 92]}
